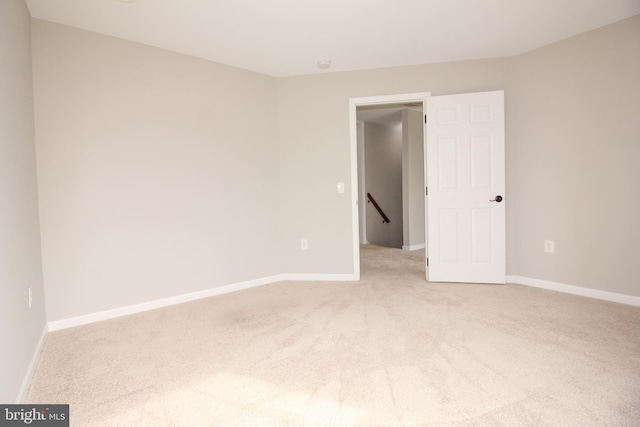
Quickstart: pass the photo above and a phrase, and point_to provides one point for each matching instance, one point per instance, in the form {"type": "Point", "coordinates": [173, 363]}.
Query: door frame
{"type": "Point", "coordinates": [362, 214]}
{"type": "Point", "coordinates": [354, 103]}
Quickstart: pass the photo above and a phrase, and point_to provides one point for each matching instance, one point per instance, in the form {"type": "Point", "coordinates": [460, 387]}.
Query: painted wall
{"type": "Point", "coordinates": [571, 147]}
{"type": "Point", "coordinates": [573, 142]}
{"type": "Point", "coordinates": [20, 260]}
{"type": "Point", "coordinates": [383, 179]}
{"type": "Point", "coordinates": [158, 172]}
{"type": "Point", "coordinates": [413, 192]}
{"type": "Point", "coordinates": [313, 116]}
{"type": "Point", "coordinates": [153, 183]}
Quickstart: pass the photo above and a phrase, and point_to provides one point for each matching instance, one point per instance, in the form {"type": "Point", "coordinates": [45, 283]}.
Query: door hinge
{"type": "Point", "coordinates": [427, 262]}
{"type": "Point", "coordinates": [426, 191]}
{"type": "Point", "coordinates": [425, 118]}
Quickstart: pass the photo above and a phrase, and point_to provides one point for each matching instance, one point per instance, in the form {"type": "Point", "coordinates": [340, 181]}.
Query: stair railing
{"type": "Point", "coordinates": [378, 208]}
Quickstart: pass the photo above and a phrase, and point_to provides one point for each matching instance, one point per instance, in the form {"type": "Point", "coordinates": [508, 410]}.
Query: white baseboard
{"type": "Point", "coordinates": [413, 247]}
{"type": "Point", "coordinates": [31, 369]}
{"type": "Point", "coordinates": [165, 302]}
{"type": "Point", "coordinates": [576, 290]}
{"type": "Point", "coordinates": [179, 299]}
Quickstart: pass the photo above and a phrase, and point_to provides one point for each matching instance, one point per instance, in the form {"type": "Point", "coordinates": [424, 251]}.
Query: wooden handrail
{"type": "Point", "coordinates": [372, 200]}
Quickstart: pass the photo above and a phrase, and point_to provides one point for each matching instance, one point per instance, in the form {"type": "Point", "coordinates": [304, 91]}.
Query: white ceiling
{"type": "Point", "coordinates": [288, 37]}
{"type": "Point", "coordinates": [385, 114]}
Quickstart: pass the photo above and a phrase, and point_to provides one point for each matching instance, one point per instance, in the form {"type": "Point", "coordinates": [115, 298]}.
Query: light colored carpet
{"type": "Point", "coordinates": [390, 350]}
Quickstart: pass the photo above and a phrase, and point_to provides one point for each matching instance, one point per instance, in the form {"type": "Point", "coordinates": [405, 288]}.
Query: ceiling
{"type": "Point", "coordinates": [289, 37]}
{"type": "Point", "coordinates": [385, 114]}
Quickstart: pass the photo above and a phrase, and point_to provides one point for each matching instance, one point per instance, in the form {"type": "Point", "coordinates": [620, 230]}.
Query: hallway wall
{"type": "Point", "coordinates": [383, 179]}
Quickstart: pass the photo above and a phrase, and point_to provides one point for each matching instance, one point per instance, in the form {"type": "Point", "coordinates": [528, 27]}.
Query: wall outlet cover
{"type": "Point", "coordinates": [549, 246]}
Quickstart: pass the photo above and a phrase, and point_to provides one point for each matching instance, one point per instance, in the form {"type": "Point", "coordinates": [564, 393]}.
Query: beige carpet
{"type": "Point", "coordinates": [390, 350]}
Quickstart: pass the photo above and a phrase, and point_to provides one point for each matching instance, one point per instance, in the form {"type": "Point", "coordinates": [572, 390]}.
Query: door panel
{"type": "Point", "coordinates": [465, 171]}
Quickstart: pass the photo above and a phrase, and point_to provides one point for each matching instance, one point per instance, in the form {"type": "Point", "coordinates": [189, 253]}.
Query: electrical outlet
{"type": "Point", "coordinates": [30, 298]}
{"type": "Point", "coordinates": [549, 246]}
{"type": "Point", "coordinates": [304, 244]}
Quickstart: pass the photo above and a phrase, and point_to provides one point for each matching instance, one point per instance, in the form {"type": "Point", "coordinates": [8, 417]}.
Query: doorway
{"type": "Point", "coordinates": [391, 175]}
{"type": "Point", "coordinates": [391, 111]}
{"type": "Point", "coordinates": [465, 168]}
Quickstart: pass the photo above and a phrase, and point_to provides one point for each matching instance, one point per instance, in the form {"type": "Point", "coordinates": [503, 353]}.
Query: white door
{"type": "Point", "coordinates": [466, 183]}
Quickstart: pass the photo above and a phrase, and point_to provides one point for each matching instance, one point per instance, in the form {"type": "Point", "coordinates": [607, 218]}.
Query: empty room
{"type": "Point", "coordinates": [189, 212]}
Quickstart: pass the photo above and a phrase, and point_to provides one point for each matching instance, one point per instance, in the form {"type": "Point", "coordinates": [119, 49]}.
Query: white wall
{"type": "Point", "coordinates": [20, 260]}
{"type": "Point", "coordinates": [158, 172]}
{"type": "Point", "coordinates": [413, 191]}
{"type": "Point", "coordinates": [573, 149]}
{"type": "Point", "coordinates": [383, 180]}
{"type": "Point", "coordinates": [313, 116]}
{"type": "Point", "coordinates": [156, 179]}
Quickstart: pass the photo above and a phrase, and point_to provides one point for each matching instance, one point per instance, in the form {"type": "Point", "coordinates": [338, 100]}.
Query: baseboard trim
{"type": "Point", "coordinates": [31, 369]}
{"type": "Point", "coordinates": [165, 302]}
{"type": "Point", "coordinates": [413, 247]}
{"type": "Point", "coordinates": [179, 299]}
{"type": "Point", "coordinates": [576, 290]}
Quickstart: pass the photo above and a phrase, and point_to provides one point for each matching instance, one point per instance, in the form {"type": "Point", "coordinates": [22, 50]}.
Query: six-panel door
{"type": "Point", "coordinates": [466, 183]}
